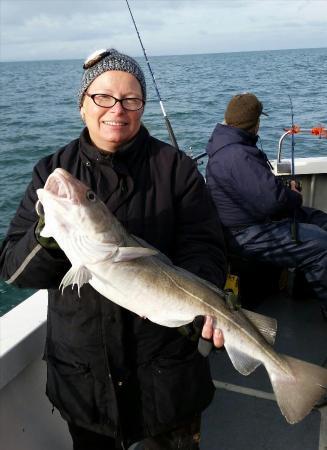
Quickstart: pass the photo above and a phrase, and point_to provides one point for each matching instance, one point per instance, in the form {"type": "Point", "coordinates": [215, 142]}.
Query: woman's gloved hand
{"type": "Point", "coordinates": [46, 242]}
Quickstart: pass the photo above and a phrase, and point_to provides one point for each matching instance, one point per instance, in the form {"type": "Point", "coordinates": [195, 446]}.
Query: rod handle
{"type": "Point", "coordinates": [171, 133]}
{"type": "Point", "coordinates": [294, 230]}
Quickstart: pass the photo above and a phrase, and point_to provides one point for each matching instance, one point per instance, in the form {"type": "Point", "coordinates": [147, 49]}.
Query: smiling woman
{"type": "Point", "coordinates": [114, 376]}
{"type": "Point", "coordinates": [111, 126]}
{"type": "Point", "coordinates": [111, 97]}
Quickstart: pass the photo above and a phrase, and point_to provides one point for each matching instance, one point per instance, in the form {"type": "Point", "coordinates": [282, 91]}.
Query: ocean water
{"type": "Point", "coordinates": [39, 111]}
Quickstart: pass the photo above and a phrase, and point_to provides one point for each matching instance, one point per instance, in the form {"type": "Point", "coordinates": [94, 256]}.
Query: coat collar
{"type": "Point", "coordinates": [224, 135]}
{"type": "Point", "coordinates": [128, 153]}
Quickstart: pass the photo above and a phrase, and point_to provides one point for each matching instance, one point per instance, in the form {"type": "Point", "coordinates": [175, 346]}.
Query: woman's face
{"type": "Point", "coordinates": [109, 128]}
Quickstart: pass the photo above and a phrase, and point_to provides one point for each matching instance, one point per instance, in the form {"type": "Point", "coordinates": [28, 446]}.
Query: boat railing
{"type": "Point", "coordinates": [284, 166]}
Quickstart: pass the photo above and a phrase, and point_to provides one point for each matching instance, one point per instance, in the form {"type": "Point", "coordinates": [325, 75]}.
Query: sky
{"type": "Point", "coordinates": [72, 29]}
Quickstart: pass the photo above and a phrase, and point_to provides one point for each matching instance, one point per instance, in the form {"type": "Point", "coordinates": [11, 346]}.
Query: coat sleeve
{"type": "Point", "coordinates": [199, 243]}
{"type": "Point", "coordinates": [23, 261]}
{"type": "Point", "coordinates": [260, 190]}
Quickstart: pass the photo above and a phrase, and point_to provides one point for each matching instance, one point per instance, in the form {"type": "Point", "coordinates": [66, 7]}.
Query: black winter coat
{"type": "Point", "coordinates": [240, 180]}
{"type": "Point", "coordinates": [109, 370]}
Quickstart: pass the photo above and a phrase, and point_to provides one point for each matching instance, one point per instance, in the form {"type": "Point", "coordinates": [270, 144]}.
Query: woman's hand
{"type": "Point", "coordinates": [211, 333]}
{"type": "Point", "coordinates": [295, 187]}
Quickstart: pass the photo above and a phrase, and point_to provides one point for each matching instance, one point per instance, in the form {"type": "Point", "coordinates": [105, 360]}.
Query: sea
{"type": "Point", "coordinates": [39, 113]}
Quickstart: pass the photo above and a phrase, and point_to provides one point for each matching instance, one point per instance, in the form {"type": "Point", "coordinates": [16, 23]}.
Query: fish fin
{"type": "Point", "coordinates": [267, 326]}
{"type": "Point", "coordinates": [159, 254]}
{"type": "Point", "coordinates": [76, 276]}
{"type": "Point", "coordinates": [298, 391]}
{"type": "Point", "coordinates": [129, 253]}
{"type": "Point", "coordinates": [241, 361]}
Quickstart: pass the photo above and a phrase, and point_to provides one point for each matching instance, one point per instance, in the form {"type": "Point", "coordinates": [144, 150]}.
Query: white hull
{"type": "Point", "coordinates": [312, 172]}
{"type": "Point", "coordinates": [26, 418]}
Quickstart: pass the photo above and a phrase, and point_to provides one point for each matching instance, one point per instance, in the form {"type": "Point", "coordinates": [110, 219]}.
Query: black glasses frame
{"type": "Point", "coordinates": [117, 100]}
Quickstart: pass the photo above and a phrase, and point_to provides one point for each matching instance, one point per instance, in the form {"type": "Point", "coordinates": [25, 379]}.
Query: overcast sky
{"type": "Point", "coordinates": [60, 29]}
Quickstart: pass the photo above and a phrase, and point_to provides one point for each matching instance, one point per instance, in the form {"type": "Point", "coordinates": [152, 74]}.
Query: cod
{"type": "Point", "coordinates": [134, 275]}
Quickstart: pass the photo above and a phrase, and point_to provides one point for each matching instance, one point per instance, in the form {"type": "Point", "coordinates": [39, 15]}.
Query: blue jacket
{"type": "Point", "coordinates": [242, 185]}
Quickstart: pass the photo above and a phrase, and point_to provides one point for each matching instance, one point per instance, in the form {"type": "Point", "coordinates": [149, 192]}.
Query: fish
{"type": "Point", "coordinates": [131, 273]}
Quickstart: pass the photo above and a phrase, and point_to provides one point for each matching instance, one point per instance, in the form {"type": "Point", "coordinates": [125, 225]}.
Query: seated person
{"type": "Point", "coordinates": [256, 209]}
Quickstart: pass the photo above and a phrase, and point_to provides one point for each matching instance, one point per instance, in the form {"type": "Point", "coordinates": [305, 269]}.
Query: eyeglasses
{"type": "Point", "coordinates": [108, 101]}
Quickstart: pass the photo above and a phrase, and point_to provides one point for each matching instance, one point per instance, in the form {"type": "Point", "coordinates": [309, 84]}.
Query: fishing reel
{"type": "Point", "coordinates": [196, 158]}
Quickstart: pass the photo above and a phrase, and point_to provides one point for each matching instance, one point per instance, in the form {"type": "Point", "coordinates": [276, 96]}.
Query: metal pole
{"type": "Point", "coordinates": [168, 125]}
{"type": "Point", "coordinates": [293, 223]}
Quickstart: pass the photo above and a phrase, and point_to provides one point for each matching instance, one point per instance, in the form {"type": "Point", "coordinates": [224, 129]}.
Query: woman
{"type": "Point", "coordinates": [115, 377]}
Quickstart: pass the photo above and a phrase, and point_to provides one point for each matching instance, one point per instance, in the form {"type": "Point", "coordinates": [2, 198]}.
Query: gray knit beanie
{"type": "Point", "coordinates": [243, 111]}
{"type": "Point", "coordinates": [104, 60]}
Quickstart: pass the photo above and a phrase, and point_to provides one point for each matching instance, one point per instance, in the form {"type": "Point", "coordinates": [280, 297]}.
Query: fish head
{"type": "Point", "coordinates": [72, 208]}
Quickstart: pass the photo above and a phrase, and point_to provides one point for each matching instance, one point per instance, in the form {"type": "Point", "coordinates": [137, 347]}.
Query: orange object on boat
{"type": "Point", "coordinates": [294, 130]}
{"type": "Point", "coordinates": [319, 131]}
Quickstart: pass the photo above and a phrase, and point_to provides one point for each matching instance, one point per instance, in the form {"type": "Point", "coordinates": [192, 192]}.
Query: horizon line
{"type": "Point", "coordinates": [167, 55]}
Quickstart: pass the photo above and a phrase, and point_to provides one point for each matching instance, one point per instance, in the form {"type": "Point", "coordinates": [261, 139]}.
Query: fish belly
{"type": "Point", "coordinates": [148, 292]}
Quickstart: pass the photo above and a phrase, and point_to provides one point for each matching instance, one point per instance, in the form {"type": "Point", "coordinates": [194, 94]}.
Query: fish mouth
{"type": "Point", "coordinates": [62, 185]}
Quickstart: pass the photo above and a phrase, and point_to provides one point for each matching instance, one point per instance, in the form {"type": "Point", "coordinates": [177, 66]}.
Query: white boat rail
{"type": "Point", "coordinates": [27, 421]}
{"type": "Point", "coordinates": [284, 167]}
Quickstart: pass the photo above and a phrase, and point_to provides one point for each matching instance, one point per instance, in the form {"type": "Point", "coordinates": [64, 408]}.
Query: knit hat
{"type": "Point", "coordinates": [243, 111]}
{"type": "Point", "coordinates": [103, 60]}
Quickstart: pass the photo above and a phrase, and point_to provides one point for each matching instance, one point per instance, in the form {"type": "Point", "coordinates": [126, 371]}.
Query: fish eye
{"type": "Point", "coordinates": [90, 195]}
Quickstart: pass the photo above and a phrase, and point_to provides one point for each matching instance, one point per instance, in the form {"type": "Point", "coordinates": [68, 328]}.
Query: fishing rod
{"type": "Point", "coordinates": [196, 158]}
{"type": "Point", "coordinates": [293, 223]}
{"type": "Point", "coordinates": [168, 125]}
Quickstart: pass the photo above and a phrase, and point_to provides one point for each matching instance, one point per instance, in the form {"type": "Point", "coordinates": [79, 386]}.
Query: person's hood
{"type": "Point", "coordinates": [226, 135]}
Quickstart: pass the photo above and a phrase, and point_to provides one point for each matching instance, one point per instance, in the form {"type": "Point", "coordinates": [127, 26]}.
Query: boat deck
{"type": "Point", "coordinates": [244, 414]}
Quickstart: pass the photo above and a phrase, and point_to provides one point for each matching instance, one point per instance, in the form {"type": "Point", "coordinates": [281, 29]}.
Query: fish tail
{"type": "Point", "coordinates": [300, 389]}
